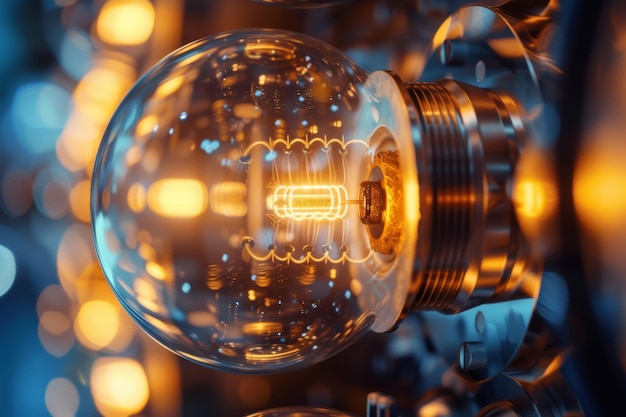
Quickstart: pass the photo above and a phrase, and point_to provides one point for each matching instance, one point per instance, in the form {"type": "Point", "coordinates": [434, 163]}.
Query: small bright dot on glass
{"type": "Point", "coordinates": [305, 123]}
{"type": "Point", "coordinates": [301, 98]}
{"type": "Point", "coordinates": [8, 269]}
{"type": "Point", "coordinates": [348, 294]}
{"type": "Point", "coordinates": [186, 287]}
{"type": "Point", "coordinates": [225, 257]}
{"type": "Point", "coordinates": [253, 278]}
{"type": "Point", "coordinates": [334, 107]}
{"type": "Point", "coordinates": [270, 156]}
{"type": "Point", "coordinates": [331, 284]}
{"type": "Point", "coordinates": [258, 93]}
{"type": "Point", "coordinates": [278, 122]}
{"type": "Point", "coordinates": [183, 115]}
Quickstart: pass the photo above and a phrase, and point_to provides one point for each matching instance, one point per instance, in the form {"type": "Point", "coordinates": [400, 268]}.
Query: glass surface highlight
{"type": "Point", "coordinates": [226, 209]}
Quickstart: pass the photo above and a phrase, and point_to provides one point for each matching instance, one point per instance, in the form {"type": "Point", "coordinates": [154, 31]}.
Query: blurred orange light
{"type": "Point", "coordinates": [97, 324]}
{"type": "Point", "coordinates": [125, 22]}
{"type": "Point", "coordinates": [119, 386]}
{"type": "Point", "coordinates": [156, 270]}
{"type": "Point", "coordinates": [534, 198]}
{"type": "Point", "coordinates": [178, 198]}
{"type": "Point", "coordinates": [75, 253]}
{"type": "Point", "coordinates": [599, 184]}
{"type": "Point", "coordinates": [167, 88]}
{"type": "Point", "coordinates": [95, 98]}
{"type": "Point", "coordinates": [97, 94]}
{"type": "Point", "coordinates": [136, 197]}
{"type": "Point", "coordinates": [79, 200]}
{"type": "Point", "coordinates": [228, 198]}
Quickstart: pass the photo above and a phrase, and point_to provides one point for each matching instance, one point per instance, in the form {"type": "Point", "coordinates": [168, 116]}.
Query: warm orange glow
{"type": "Point", "coordinates": [95, 98]}
{"type": "Point", "coordinates": [178, 198]}
{"type": "Point", "coordinates": [146, 124]}
{"type": "Point", "coordinates": [229, 199]}
{"type": "Point", "coordinates": [136, 197]}
{"type": "Point", "coordinates": [79, 200]}
{"type": "Point", "coordinates": [442, 34]}
{"type": "Point", "coordinates": [96, 324]}
{"type": "Point", "coordinates": [534, 198]}
{"type": "Point", "coordinates": [164, 380]}
{"type": "Point", "coordinates": [262, 328]}
{"type": "Point", "coordinates": [97, 94]}
{"type": "Point", "coordinates": [78, 143]}
{"type": "Point", "coordinates": [119, 386]}
{"type": "Point", "coordinates": [147, 296]}
{"type": "Point", "coordinates": [125, 22]}
{"type": "Point", "coordinates": [599, 188]}
{"type": "Point", "coordinates": [168, 87]}
{"type": "Point", "coordinates": [202, 318]}
{"type": "Point", "coordinates": [254, 391]}
{"type": "Point", "coordinates": [74, 255]}
{"type": "Point", "coordinates": [156, 270]}
{"type": "Point", "coordinates": [319, 202]}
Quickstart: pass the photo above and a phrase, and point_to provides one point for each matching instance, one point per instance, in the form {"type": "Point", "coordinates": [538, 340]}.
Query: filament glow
{"type": "Point", "coordinates": [319, 202]}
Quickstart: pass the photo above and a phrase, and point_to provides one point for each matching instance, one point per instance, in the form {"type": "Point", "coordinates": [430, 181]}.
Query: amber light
{"type": "Point", "coordinates": [178, 198]}
{"type": "Point", "coordinates": [119, 386]}
{"type": "Point", "coordinates": [125, 22]}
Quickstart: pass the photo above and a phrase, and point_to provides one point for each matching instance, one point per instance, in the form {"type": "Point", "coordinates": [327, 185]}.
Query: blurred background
{"type": "Point", "coordinates": [67, 348]}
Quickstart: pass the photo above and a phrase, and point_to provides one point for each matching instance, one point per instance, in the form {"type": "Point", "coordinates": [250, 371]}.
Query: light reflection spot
{"type": "Point", "coordinates": [8, 269]}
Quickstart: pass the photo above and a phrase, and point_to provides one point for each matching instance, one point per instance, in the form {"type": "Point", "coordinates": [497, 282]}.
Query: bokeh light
{"type": "Point", "coordinates": [62, 398]}
{"type": "Point", "coordinates": [7, 269]}
{"type": "Point", "coordinates": [39, 111]}
{"type": "Point", "coordinates": [119, 386]}
{"type": "Point", "coordinates": [125, 22]}
{"type": "Point", "coordinates": [96, 324]}
{"type": "Point", "coordinates": [16, 192]}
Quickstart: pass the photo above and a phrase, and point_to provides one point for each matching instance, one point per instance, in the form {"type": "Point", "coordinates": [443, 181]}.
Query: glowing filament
{"type": "Point", "coordinates": [317, 202]}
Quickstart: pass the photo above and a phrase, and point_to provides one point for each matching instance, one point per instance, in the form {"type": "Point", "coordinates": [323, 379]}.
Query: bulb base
{"type": "Point", "coordinates": [381, 203]}
{"type": "Point", "coordinates": [470, 248]}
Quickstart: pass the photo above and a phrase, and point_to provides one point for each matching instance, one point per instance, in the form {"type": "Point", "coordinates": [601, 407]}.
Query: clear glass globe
{"type": "Point", "coordinates": [229, 203]}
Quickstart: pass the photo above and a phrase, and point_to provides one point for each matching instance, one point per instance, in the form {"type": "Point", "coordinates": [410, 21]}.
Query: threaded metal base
{"type": "Point", "coordinates": [469, 247]}
{"type": "Point", "coordinates": [452, 196]}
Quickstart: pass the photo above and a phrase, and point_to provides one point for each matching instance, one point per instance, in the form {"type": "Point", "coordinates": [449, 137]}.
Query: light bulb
{"type": "Point", "coordinates": [259, 202]}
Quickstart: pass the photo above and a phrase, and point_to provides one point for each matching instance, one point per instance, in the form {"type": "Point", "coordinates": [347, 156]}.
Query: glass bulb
{"type": "Point", "coordinates": [247, 201]}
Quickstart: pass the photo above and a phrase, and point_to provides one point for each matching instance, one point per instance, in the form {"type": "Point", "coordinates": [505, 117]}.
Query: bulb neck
{"type": "Point", "coordinates": [470, 249]}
